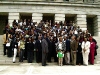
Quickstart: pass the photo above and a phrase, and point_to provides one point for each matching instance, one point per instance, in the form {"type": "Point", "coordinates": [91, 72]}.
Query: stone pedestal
{"type": "Point", "coordinates": [37, 17]}
{"type": "Point", "coordinates": [12, 17]}
{"type": "Point", "coordinates": [59, 17]}
{"type": "Point", "coordinates": [81, 21]}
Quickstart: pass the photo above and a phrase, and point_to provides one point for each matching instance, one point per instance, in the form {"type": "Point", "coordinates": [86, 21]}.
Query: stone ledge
{"type": "Point", "coordinates": [51, 3]}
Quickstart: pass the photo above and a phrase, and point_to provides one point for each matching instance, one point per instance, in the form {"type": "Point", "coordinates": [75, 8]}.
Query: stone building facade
{"type": "Point", "coordinates": [84, 13]}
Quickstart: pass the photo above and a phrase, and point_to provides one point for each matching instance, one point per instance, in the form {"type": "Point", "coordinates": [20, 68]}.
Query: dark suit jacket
{"type": "Point", "coordinates": [44, 46]}
{"type": "Point", "coordinates": [30, 46]}
{"type": "Point", "coordinates": [68, 45]}
{"type": "Point", "coordinates": [38, 45]}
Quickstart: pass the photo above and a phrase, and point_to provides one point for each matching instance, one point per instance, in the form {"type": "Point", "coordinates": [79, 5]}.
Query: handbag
{"type": "Point", "coordinates": [7, 44]}
{"type": "Point", "coordinates": [97, 47]}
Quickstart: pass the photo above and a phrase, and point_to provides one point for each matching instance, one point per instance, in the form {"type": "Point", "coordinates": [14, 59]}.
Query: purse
{"type": "Point", "coordinates": [97, 46]}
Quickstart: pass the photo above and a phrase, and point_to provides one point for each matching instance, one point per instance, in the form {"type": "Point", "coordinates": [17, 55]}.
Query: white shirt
{"type": "Point", "coordinates": [60, 46]}
{"type": "Point", "coordinates": [19, 43]}
{"type": "Point", "coordinates": [86, 45]}
{"type": "Point", "coordinates": [75, 32]}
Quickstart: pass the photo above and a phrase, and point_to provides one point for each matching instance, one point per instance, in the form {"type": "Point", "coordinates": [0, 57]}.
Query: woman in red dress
{"type": "Point", "coordinates": [92, 50]}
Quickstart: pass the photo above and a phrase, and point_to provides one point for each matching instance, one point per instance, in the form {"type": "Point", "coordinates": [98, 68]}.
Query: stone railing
{"type": "Point", "coordinates": [73, 1]}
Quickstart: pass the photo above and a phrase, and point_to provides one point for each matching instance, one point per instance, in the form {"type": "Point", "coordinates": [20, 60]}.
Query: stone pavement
{"type": "Point", "coordinates": [52, 68]}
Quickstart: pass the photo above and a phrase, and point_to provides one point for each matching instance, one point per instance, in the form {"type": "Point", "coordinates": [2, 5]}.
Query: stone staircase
{"type": "Point", "coordinates": [6, 60]}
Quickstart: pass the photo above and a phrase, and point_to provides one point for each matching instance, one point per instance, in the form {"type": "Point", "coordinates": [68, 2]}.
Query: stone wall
{"type": "Point", "coordinates": [51, 8]}
{"type": "Point", "coordinates": [59, 9]}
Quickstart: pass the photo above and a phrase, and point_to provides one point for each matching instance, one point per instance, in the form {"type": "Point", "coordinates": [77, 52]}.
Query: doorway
{"type": "Point", "coordinates": [48, 17]}
{"type": "Point", "coordinates": [92, 26]}
{"type": "Point", "coordinates": [3, 21]}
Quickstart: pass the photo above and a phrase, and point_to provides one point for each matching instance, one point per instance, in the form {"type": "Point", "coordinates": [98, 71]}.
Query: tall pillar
{"type": "Point", "coordinates": [81, 21]}
{"type": "Point", "coordinates": [59, 17]}
{"type": "Point", "coordinates": [37, 17]}
{"type": "Point", "coordinates": [97, 25]}
{"type": "Point", "coordinates": [13, 16]}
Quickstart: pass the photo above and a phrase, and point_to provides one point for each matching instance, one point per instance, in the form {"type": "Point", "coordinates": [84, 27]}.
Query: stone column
{"type": "Point", "coordinates": [59, 17]}
{"type": "Point", "coordinates": [81, 21]}
{"type": "Point", "coordinates": [37, 17]}
{"type": "Point", "coordinates": [12, 16]}
{"type": "Point", "coordinates": [97, 25]}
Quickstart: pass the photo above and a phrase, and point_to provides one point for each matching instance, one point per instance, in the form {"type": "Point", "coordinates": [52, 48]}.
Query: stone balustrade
{"type": "Point", "coordinates": [75, 1]}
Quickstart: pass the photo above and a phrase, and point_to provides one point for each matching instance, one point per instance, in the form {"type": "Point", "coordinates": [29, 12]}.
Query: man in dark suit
{"type": "Point", "coordinates": [67, 52]}
{"type": "Point", "coordinates": [44, 49]}
{"type": "Point", "coordinates": [54, 49]}
{"type": "Point", "coordinates": [38, 50]}
{"type": "Point", "coordinates": [30, 50]}
{"type": "Point", "coordinates": [49, 40]}
{"type": "Point", "coordinates": [73, 46]}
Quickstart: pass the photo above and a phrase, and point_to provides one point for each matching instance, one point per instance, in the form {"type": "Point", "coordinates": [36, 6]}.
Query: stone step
{"type": "Point", "coordinates": [6, 60]}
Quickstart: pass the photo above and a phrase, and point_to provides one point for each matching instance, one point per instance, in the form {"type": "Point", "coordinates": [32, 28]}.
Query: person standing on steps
{"type": "Point", "coordinates": [38, 50]}
{"type": "Point", "coordinates": [5, 38]}
{"type": "Point", "coordinates": [73, 46]}
{"type": "Point", "coordinates": [21, 51]}
{"type": "Point", "coordinates": [30, 50]}
{"type": "Point", "coordinates": [15, 48]}
{"type": "Point", "coordinates": [92, 50]}
{"type": "Point", "coordinates": [85, 51]}
{"type": "Point", "coordinates": [44, 44]}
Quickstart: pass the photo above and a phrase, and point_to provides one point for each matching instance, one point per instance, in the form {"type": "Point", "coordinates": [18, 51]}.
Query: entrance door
{"type": "Point", "coordinates": [26, 16]}
{"type": "Point", "coordinates": [48, 17]}
{"type": "Point", "coordinates": [3, 21]}
{"type": "Point", "coordinates": [91, 24]}
{"type": "Point", "coordinates": [70, 17]}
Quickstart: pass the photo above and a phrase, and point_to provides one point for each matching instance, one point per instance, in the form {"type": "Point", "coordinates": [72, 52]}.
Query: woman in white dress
{"type": "Point", "coordinates": [85, 51]}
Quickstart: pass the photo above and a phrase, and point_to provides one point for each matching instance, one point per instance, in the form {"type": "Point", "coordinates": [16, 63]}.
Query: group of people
{"type": "Point", "coordinates": [66, 43]}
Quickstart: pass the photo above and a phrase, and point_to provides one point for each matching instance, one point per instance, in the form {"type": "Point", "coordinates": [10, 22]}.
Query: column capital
{"type": "Point", "coordinates": [13, 13]}
{"type": "Point", "coordinates": [81, 15]}
{"type": "Point", "coordinates": [37, 14]}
